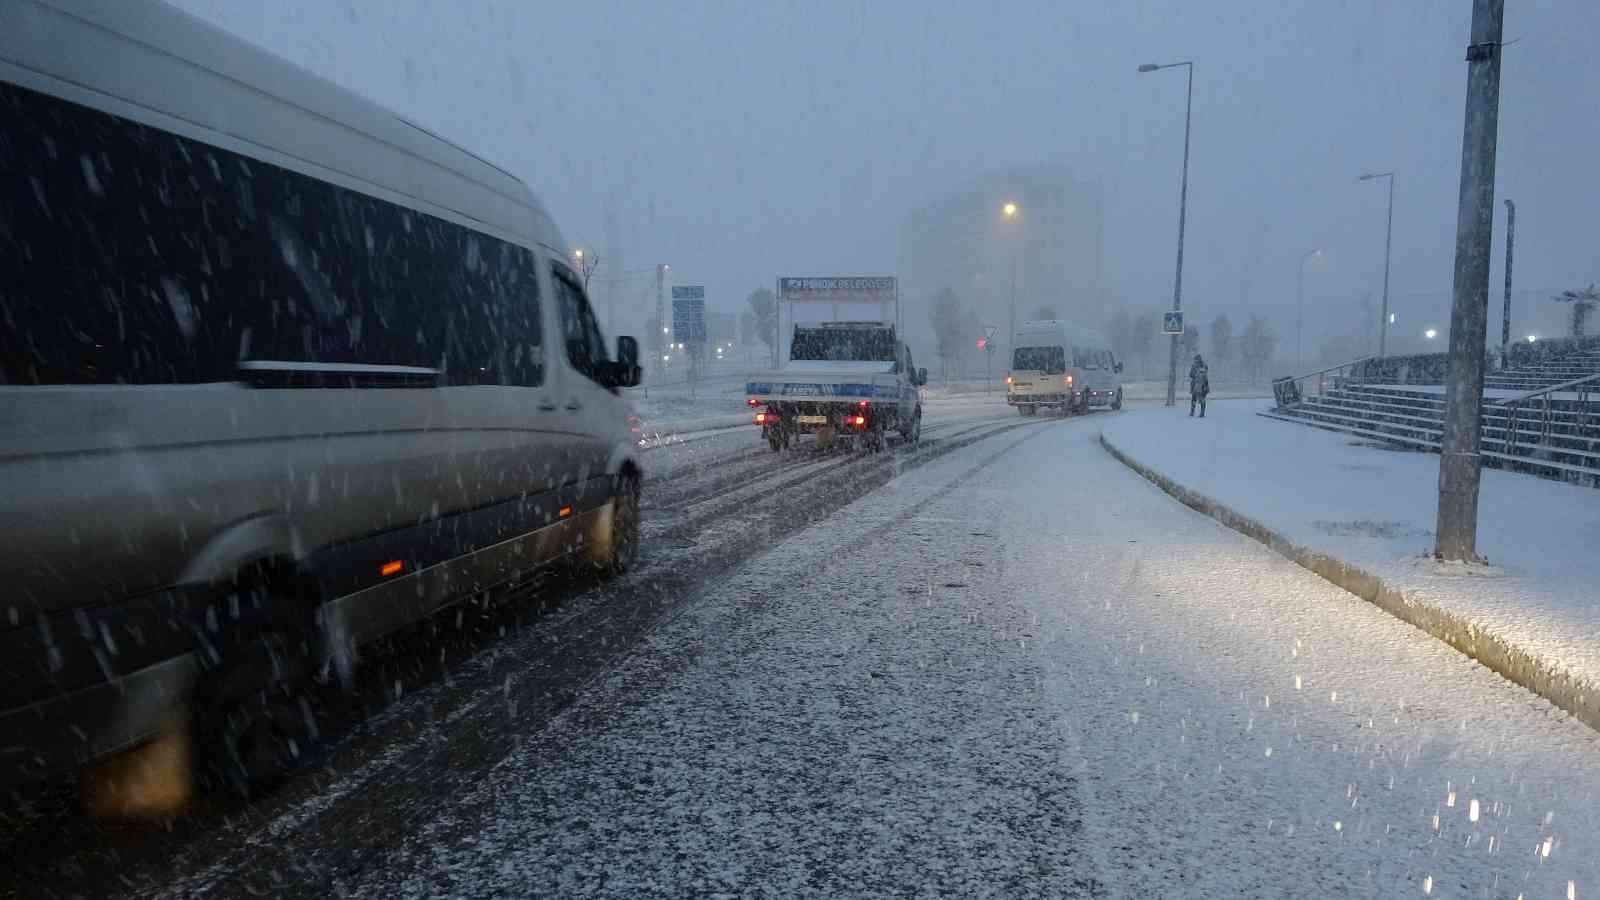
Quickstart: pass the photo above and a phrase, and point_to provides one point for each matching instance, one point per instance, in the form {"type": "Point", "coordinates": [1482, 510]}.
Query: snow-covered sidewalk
{"type": "Point", "coordinates": [1364, 516]}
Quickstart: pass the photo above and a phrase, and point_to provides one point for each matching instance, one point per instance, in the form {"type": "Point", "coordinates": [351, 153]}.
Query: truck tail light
{"type": "Point", "coordinates": [766, 418]}
{"type": "Point", "coordinates": [751, 401]}
{"type": "Point", "coordinates": [1067, 380]}
{"type": "Point", "coordinates": [858, 421]}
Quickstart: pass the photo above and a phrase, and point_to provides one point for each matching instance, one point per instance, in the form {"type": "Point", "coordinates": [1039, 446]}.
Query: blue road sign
{"type": "Point", "coordinates": [689, 313]}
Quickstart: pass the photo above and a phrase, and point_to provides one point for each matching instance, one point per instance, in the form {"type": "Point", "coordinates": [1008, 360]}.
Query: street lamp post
{"type": "Point", "coordinates": [1183, 204]}
{"type": "Point", "coordinates": [1300, 305]}
{"type": "Point", "coordinates": [1010, 212]}
{"type": "Point", "coordinates": [1505, 319]}
{"type": "Point", "coordinates": [1388, 233]}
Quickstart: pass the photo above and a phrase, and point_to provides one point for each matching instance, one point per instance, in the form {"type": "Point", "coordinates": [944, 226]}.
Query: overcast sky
{"type": "Point", "coordinates": [745, 140]}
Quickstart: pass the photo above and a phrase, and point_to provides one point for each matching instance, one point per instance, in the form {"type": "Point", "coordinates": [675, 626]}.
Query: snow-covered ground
{"type": "Point", "coordinates": [1375, 508]}
{"type": "Point", "coordinates": [1022, 670]}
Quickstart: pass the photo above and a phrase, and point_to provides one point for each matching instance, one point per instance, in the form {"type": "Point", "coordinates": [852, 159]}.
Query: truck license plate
{"type": "Point", "coordinates": [812, 420]}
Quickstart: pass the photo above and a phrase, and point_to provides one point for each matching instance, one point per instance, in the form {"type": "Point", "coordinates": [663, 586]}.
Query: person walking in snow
{"type": "Point", "coordinates": [1199, 385]}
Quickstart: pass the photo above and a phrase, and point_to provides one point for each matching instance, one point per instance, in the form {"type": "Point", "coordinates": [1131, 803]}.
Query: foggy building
{"type": "Point", "coordinates": [964, 240]}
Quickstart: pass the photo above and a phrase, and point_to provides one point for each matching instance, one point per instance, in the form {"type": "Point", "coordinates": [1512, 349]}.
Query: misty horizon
{"type": "Point", "coordinates": [742, 144]}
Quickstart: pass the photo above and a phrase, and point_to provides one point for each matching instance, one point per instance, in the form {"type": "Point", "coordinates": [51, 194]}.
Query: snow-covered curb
{"type": "Point", "coordinates": [1575, 694]}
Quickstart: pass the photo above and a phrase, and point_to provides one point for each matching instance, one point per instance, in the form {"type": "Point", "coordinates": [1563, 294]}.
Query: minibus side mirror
{"type": "Point", "coordinates": [628, 372]}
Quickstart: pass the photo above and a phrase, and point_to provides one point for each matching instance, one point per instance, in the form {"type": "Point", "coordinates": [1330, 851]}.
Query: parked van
{"type": "Point", "coordinates": [280, 372]}
{"type": "Point", "coordinates": [1057, 365]}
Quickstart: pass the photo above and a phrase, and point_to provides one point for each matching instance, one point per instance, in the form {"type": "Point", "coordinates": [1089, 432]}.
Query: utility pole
{"type": "Point", "coordinates": [1505, 317]}
{"type": "Point", "coordinates": [1460, 466]}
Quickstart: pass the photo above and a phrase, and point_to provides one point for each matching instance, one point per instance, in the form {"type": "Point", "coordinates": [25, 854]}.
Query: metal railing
{"type": "Point", "coordinates": [1587, 412]}
{"type": "Point", "coordinates": [1292, 389]}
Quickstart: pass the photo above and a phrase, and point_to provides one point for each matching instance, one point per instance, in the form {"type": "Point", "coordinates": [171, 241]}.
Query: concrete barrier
{"type": "Point", "coordinates": [1574, 694]}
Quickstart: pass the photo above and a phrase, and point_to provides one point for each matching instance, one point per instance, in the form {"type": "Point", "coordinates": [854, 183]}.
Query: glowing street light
{"type": "Point", "coordinates": [1010, 210]}
{"type": "Point", "coordinates": [1532, 338]}
{"type": "Point", "coordinates": [586, 264]}
{"type": "Point", "coordinates": [1431, 333]}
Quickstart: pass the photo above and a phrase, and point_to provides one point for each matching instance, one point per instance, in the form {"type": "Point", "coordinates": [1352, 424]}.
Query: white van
{"type": "Point", "coordinates": [1056, 364]}
{"type": "Point", "coordinates": [280, 372]}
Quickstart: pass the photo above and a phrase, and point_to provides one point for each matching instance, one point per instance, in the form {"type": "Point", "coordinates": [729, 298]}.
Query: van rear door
{"type": "Point", "coordinates": [1037, 371]}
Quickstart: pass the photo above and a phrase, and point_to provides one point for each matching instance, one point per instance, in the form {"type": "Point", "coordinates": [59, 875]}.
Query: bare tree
{"type": "Point", "coordinates": [1222, 344]}
{"type": "Point", "coordinates": [1584, 301]}
{"type": "Point", "coordinates": [764, 307]}
{"type": "Point", "coordinates": [748, 333]}
{"type": "Point", "coordinates": [1144, 331]}
{"type": "Point", "coordinates": [948, 328]}
{"type": "Point", "coordinates": [1257, 346]}
{"type": "Point", "coordinates": [1120, 329]}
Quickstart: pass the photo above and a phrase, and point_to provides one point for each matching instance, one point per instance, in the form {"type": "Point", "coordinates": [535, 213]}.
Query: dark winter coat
{"type": "Point", "coordinates": [1199, 380]}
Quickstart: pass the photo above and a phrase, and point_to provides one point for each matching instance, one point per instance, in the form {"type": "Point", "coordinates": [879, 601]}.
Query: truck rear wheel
{"type": "Point", "coordinates": [1027, 409]}
{"type": "Point", "coordinates": [872, 439]}
{"type": "Point", "coordinates": [913, 432]}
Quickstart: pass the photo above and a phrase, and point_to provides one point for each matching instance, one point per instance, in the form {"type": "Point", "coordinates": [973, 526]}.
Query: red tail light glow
{"type": "Point", "coordinates": [392, 567]}
{"type": "Point", "coordinates": [751, 401]}
{"type": "Point", "coordinates": [1008, 379]}
{"type": "Point", "coordinates": [763, 418]}
{"type": "Point", "coordinates": [860, 421]}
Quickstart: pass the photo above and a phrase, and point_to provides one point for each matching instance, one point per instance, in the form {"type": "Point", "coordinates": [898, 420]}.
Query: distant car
{"type": "Point", "coordinates": [1057, 365]}
{"type": "Point", "coordinates": [280, 372]}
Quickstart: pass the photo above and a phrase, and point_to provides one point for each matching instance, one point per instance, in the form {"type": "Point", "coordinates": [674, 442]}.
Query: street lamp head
{"type": "Point", "coordinates": [578, 253]}
{"type": "Point", "coordinates": [1010, 209]}
{"type": "Point", "coordinates": [1430, 334]}
{"type": "Point", "coordinates": [1149, 67]}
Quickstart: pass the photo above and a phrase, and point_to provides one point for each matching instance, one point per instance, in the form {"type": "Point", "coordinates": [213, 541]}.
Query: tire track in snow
{"type": "Point", "coordinates": [452, 723]}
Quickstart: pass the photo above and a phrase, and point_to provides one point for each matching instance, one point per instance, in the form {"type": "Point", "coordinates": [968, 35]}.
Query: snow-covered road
{"type": "Point", "coordinates": [1021, 670]}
